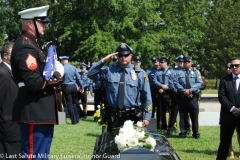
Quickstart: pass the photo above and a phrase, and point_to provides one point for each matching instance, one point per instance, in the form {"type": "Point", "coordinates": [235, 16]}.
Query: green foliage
{"type": "Point", "coordinates": [87, 30]}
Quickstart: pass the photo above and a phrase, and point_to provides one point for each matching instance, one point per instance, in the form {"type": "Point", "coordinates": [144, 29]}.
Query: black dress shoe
{"type": "Point", "coordinates": [182, 135]}
{"type": "Point", "coordinates": [196, 136]}
{"type": "Point", "coordinates": [169, 132]}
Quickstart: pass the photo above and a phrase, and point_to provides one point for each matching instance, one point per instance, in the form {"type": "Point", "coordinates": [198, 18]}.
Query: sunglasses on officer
{"type": "Point", "coordinates": [235, 65]}
{"type": "Point", "coordinates": [120, 55]}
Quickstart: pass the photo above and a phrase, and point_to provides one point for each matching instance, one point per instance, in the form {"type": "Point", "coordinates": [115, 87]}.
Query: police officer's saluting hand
{"type": "Point", "coordinates": [128, 90]}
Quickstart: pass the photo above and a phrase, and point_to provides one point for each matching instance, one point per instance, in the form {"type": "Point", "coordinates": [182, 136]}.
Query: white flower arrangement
{"type": "Point", "coordinates": [133, 136]}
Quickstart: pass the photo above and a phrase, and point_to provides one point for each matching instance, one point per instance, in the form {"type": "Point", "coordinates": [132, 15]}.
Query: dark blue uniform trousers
{"type": "Point", "coordinates": [36, 141]}
{"type": "Point", "coordinates": [188, 105]}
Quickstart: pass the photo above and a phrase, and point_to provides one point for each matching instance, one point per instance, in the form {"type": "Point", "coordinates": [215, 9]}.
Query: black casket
{"type": "Point", "coordinates": [105, 148]}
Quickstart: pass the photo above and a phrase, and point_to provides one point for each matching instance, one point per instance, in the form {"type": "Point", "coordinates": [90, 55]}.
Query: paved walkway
{"type": "Point", "coordinates": [209, 112]}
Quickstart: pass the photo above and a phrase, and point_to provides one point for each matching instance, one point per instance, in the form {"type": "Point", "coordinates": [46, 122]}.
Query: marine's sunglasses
{"type": "Point", "coordinates": [120, 55]}
{"type": "Point", "coordinates": [234, 65]}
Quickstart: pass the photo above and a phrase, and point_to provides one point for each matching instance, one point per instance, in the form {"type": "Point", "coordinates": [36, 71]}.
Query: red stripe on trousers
{"type": "Point", "coordinates": [31, 141]}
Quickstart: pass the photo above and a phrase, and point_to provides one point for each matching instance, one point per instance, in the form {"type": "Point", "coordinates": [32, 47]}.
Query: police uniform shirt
{"type": "Point", "coordinates": [111, 75]}
{"type": "Point", "coordinates": [175, 71]}
{"type": "Point", "coordinates": [151, 73]}
{"type": "Point", "coordinates": [195, 80]}
{"type": "Point", "coordinates": [158, 77]}
{"type": "Point", "coordinates": [71, 75]}
{"type": "Point", "coordinates": [85, 80]}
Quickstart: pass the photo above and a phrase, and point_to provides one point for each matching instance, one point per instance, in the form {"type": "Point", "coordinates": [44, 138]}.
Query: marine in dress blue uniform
{"type": "Point", "coordinates": [161, 81]}
{"type": "Point", "coordinates": [85, 84]}
{"type": "Point", "coordinates": [127, 90]}
{"type": "Point", "coordinates": [35, 108]}
{"type": "Point", "coordinates": [151, 72]}
{"type": "Point", "coordinates": [71, 81]}
{"type": "Point", "coordinates": [187, 83]}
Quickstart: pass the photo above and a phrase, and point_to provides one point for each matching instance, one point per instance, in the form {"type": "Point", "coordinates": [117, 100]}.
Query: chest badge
{"type": "Point", "coordinates": [133, 75]}
{"type": "Point", "coordinates": [191, 72]}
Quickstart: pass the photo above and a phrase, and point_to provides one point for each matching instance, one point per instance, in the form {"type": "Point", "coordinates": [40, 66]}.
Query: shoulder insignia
{"type": "Point", "coordinates": [146, 78]}
{"type": "Point", "coordinates": [149, 107]}
{"type": "Point", "coordinates": [31, 62]}
{"type": "Point", "coordinates": [199, 74]}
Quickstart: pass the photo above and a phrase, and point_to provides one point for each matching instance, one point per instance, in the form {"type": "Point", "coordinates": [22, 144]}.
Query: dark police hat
{"type": "Point", "coordinates": [137, 59]}
{"type": "Point", "coordinates": [179, 58]}
{"type": "Point", "coordinates": [155, 59]}
{"type": "Point", "coordinates": [83, 65]}
{"type": "Point", "coordinates": [187, 58]}
{"type": "Point", "coordinates": [63, 57]}
{"type": "Point", "coordinates": [115, 59]}
{"type": "Point", "coordinates": [37, 13]}
{"type": "Point", "coordinates": [124, 49]}
{"type": "Point", "coordinates": [163, 59]}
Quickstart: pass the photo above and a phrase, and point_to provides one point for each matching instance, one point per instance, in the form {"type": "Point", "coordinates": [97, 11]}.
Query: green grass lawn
{"type": "Point", "coordinates": [210, 91]}
{"type": "Point", "coordinates": [77, 142]}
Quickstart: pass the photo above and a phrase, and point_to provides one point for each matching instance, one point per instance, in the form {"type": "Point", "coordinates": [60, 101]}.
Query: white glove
{"type": "Point", "coordinates": [59, 68]}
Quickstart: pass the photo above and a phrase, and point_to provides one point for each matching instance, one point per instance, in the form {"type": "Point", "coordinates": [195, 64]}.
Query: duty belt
{"type": "Point", "coordinates": [122, 113]}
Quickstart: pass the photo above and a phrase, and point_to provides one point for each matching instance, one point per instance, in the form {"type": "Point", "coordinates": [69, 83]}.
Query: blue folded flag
{"type": "Point", "coordinates": [50, 62]}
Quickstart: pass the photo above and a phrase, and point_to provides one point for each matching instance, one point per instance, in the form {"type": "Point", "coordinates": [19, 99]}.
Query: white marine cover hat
{"type": "Point", "coordinates": [37, 13]}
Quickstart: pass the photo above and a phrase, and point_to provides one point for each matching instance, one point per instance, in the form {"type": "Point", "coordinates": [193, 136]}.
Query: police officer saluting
{"type": "Point", "coordinates": [126, 89]}
{"type": "Point", "coordinates": [187, 82]}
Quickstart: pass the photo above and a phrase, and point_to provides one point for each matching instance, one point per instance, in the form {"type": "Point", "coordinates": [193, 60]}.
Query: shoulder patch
{"type": "Point", "coordinates": [31, 62]}
{"type": "Point", "coordinates": [146, 78]}
{"type": "Point", "coordinates": [149, 107]}
{"type": "Point", "coordinates": [199, 74]}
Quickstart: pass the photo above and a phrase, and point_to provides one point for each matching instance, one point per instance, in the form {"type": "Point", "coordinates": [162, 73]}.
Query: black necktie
{"type": "Point", "coordinates": [163, 76]}
{"type": "Point", "coordinates": [121, 90]}
{"type": "Point", "coordinates": [187, 81]}
{"type": "Point", "coordinates": [235, 84]}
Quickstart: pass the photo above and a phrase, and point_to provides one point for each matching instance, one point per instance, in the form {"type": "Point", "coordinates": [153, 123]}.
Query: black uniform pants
{"type": "Point", "coordinates": [163, 105]}
{"type": "Point", "coordinates": [83, 98]}
{"type": "Point", "coordinates": [188, 105]}
{"type": "Point", "coordinates": [154, 100]}
{"type": "Point", "coordinates": [99, 97]}
{"type": "Point", "coordinates": [173, 111]}
{"type": "Point", "coordinates": [69, 92]}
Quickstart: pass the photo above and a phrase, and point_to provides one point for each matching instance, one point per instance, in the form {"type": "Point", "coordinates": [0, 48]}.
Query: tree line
{"type": "Point", "coordinates": [87, 30]}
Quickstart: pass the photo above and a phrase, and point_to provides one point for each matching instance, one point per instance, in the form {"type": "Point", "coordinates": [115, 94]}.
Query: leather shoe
{"type": "Point", "coordinates": [182, 135]}
{"type": "Point", "coordinates": [196, 136]}
{"type": "Point", "coordinates": [169, 132]}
